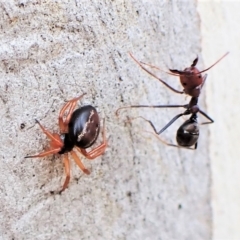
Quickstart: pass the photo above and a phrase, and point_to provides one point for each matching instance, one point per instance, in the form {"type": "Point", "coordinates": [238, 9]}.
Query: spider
{"type": "Point", "coordinates": [79, 130]}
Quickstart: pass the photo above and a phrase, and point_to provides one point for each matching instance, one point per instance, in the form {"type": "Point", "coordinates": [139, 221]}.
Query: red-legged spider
{"type": "Point", "coordinates": [79, 130]}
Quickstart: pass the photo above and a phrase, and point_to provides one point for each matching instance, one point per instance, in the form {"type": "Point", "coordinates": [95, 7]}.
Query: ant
{"type": "Point", "coordinates": [79, 130]}
{"type": "Point", "coordinates": [192, 81]}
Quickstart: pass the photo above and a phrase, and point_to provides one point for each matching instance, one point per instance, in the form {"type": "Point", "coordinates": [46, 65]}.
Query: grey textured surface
{"type": "Point", "coordinates": [139, 189]}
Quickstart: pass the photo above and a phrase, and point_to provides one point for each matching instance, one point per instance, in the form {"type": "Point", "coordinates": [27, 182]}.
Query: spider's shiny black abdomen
{"type": "Point", "coordinates": [84, 126]}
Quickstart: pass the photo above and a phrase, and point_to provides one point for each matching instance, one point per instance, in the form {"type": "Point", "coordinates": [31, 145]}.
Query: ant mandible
{"type": "Point", "coordinates": [192, 81]}
{"type": "Point", "coordinates": [79, 130]}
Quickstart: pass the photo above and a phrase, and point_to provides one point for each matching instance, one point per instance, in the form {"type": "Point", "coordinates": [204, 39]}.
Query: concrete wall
{"type": "Point", "coordinates": [52, 51]}
{"type": "Point", "coordinates": [220, 33]}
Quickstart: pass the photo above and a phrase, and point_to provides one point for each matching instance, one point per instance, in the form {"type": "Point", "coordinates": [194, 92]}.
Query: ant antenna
{"type": "Point", "coordinates": [152, 74]}
{"type": "Point", "coordinates": [215, 62]}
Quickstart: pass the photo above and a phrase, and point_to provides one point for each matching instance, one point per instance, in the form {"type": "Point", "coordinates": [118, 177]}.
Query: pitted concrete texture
{"type": "Point", "coordinates": [53, 51]}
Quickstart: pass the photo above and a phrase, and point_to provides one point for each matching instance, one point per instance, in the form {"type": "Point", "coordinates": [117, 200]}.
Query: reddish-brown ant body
{"type": "Point", "coordinates": [79, 130]}
{"type": "Point", "coordinates": [192, 82]}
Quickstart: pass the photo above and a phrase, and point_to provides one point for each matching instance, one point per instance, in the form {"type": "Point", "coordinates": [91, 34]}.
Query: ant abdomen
{"type": "Point", "coordinates": [188, 133]}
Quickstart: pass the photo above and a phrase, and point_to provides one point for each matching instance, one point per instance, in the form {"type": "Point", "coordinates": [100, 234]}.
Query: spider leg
{"type": "Point", "coordinates": [79, 163]}
{"type": "Point", "coordinates": [67, 171]}
{"type": "Point", "coordinates": [55, 138]}
{"type": "Point", "coordinates": [46, 153]}
{"type": "Point", "coordinates": [99, 150]}
{"type": "Point", "coordinates": [70, 105]}
{"type": "Point", "coordinates": [56, 143]}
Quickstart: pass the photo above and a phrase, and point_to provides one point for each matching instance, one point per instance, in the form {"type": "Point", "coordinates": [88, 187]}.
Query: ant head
{"type": "Point", "coordinates": [193, 70]}
{"type": "Point", "coordinates": [190, 70]}
{"type": "Point", "coordinates": [190, 78]}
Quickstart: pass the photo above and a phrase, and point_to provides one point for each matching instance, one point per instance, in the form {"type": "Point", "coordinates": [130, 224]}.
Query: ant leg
{"type": "Point", "coordinates": [46, 153]}
{"type": "Point", "coordinates": [169, 144]}
{"type": "Point", "coordinates": [206, 116]}
{"type": "Point", "coordinates": [171, 122]}
{"type": "Point", "coordinates": [96, 152]}
{"type": "Point", "coordinates": [79, 163]}
{"type": "Point", "coordinates": [152, 74]}
{"type": "Point", "coordinates": [67, 171]}
{"type": "Point", "coordinates": [70, 105]}
{"type": "Point", "coordinates": [164, 128]}
{"type": "Point", "coordinates": [152, 106]}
